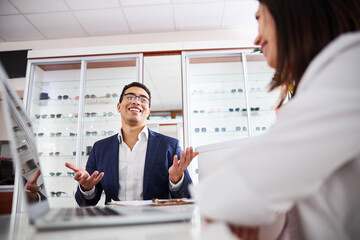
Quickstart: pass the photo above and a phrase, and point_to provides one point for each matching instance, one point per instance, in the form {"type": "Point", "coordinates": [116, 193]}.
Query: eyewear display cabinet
{"type": "Point", "coordinates": [225, 97]}
{"type": "Point", "coordinates": [72, 103]}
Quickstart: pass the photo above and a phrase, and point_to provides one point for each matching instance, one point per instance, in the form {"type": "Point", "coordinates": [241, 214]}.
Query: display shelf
{"type": "Point", "coordinates": [73, 84]}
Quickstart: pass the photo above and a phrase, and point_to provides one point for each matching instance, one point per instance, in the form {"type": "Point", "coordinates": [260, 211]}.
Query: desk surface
{"type": "Point", "coordinates": [195, 229]}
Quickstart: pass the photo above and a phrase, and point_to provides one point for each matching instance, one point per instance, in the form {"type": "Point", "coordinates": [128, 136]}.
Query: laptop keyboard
{"type": "Point", "coordinates": [65, 214]}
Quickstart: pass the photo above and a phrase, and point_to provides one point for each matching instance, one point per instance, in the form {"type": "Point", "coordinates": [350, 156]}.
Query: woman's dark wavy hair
{"type": "Point", "coordinates": [304, 28]}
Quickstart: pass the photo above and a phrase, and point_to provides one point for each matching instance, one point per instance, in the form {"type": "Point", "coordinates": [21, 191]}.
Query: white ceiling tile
{"type": "Point", "coordinates": [103, 21]}
{"type": "Point", "coordinates": [126, 3]}
{"type": "Point", "coordinates": [150, 18]}
{"type": "Point", "coordinates": [240, 14]}
{"type": "Point", "coordinates": [91, 4]}
{"type": "Point", "coordinates": [17, 28]}
{"type": "Point", "coordinates": [57, 25]}
{"type": "Point", "coordinates": [38, 6]}
{"type": "Point", "coordinates": [7, 8]}
{"type": "Point", "coordinates": [198, 16]}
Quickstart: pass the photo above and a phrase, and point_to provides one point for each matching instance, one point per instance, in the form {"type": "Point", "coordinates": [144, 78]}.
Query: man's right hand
{"type": "Point", "coordinates": [86, 181]}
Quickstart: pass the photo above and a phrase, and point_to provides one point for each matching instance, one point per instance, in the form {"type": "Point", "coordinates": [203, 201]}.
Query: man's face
{"type": "Point", "coordinates": [133, 111]}
{"type": "Point", "coordinates": [267, 35]}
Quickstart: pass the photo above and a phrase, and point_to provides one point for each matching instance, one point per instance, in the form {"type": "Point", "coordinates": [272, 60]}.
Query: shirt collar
{"type": "Point", "coordinates": [144, 133]}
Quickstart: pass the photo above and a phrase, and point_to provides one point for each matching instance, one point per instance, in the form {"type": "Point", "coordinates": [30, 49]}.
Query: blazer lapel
{"type": "Point", "coordinates": [114, 164]}
{"type": "Point", "coordinates": [150, 159]}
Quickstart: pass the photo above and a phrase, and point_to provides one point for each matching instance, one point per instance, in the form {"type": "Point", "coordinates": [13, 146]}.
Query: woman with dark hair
{"type": "Point", "coordinates": [308, 164]}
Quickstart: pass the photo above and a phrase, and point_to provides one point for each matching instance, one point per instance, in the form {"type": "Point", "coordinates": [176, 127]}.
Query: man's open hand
{"type": "Point", "coordinates": [86, 181]}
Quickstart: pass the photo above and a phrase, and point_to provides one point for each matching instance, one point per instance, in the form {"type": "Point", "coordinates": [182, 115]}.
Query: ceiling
{"type": "Point", "coordinates": [33, 20]}
{"type": "Point", "coordinates": [29, 20]}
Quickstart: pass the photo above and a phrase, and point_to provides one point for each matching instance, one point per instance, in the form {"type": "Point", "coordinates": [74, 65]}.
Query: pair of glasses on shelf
{"type": "Point", "coordinates": [93, 133]}
{"type": "Point", "coordinates": [82, 153]}
{"type": "Point", "coordinates": [22, 148]}
{"type": "Point", "coordinates": [55, 174]}
{"type": "Point", "coordinates": [57, 194]}
{"type": "Point", "coordinates": [71, 173]}
{"type": "Point", "coordinates": [114, 95]}
{"type": "Point", "coordinates": [58, 134]}
{"type": "Point", "coordinates": [255, 89]}
{"type": "Point", "coordinates": [234, 109]}
{"type": "Point", "coordinates": [238, 128]}
{"type": "Point", "coordinates": [63, 97]}
{"type": "Point", "coordinates": [39, 134]}
{"type": "Point", "coordinates": [51, 154]}
{"type": "Point", "coordinates": [223, 129]}
{"type": "Point", "coordinates": [90, 96]}
{"type": "Point", "coordinates": [72, 134]}
{"type": "Point", "coordinates": [198, 130]}
{"type": "Point", "coordinates": [109, 133]}
{"type": "Point", "coordinates": [239, 90]}
{"type": "Point", "coordinates": [50, 115]}
{"type": "Point", "coordinates": [199, 111]}
{"type": "Point", "coordinates": [110, 114]}
{"type": "Point", "coordinates": [92, 114]}
{"type": "Point", "coordinates": [260, 128]}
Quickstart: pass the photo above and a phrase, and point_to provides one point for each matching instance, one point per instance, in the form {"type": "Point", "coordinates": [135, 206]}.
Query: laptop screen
{"type": "Point", "coordinates": [23, 148]}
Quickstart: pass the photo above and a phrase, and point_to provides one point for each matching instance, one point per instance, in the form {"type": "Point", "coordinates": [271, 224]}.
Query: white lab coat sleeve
{"type": "Point", "coordinates": [316, 133]}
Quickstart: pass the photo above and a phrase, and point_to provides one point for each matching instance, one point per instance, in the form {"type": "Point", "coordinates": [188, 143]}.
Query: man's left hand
{"type": "Point", "coordinates": [177, 169]}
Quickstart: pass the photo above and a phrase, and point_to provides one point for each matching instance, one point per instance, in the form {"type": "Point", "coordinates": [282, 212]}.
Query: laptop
{"type": "Point", "coordinates": [25, 157]}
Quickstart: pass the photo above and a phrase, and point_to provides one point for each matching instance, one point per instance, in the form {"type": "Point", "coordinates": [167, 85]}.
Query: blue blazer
{"type": "Point", "coordinates": [161, 149]}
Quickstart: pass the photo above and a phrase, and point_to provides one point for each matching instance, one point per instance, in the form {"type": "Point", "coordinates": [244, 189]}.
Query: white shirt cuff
{"type": "Point", "coordinates": [175, 187]}
{"type": "Point", "coordinates": [88, 194]}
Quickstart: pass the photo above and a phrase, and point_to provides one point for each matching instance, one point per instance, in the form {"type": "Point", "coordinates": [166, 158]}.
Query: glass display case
{"type": "Point", "coordinates": [225, 97]}
{"type": "Point", "coordinates": [68, 96]}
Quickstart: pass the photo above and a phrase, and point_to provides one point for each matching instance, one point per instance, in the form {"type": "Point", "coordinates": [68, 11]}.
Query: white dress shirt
{"type": "Point", "coordinates": [131, 169]}
{"type": "Point", "coordinates": [309, 161]}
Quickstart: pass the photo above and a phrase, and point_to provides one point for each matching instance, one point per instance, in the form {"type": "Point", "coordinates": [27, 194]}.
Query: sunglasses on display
{"type": "Point", "coordinates": [58, 134]}
{"type": "Point", "coordinates": [82, 153]}
{"type": "Point", "coordinates": [239, 90]}
{"type": "Point", "coordinates": [232, 109]}
{"type": "Point", "coordinates": [90, 96]}
{"type": "Point", "coordinates": [39, 134]}
{"type": "Point", "coordinates": [199, 111]}
{"type": "Point", "coordinates": [71, 173]}
{"type": "Point", "coordinates": [72, 134]}
{"type": "Point", "coordinates": [93, 114]}
{"type": "Point", "coordinates": [88, 133]}
{"type": "Point", "coordinates": [22, 148]}
{"type": "Point", "coordinates": [53, 174]}
{"type": "Point", "coordinates": [114, 95]}
{"type": "Point", "coordinates": [63, 97]}
{"type": "Point", "coordinates": [54, 154]}
{"type": "Point", "coordinates": [108, 114]}
{"type": "Point", "coordinates": [109, 133]}
{"type": "Point", "coordinates": [57, 194]}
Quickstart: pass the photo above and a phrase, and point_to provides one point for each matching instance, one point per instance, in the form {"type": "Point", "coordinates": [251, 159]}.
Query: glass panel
{"type": "Point", "coordinates": [53, 107]}
{"type": "Point", "coordinates": [261, 101]}
{"type": "Point", "coordinates": [217, 99]}
{"type": "Point", "coordinates": [104, 83]}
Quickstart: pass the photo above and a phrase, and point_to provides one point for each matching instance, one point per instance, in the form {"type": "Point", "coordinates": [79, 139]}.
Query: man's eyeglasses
{"type": "Point", "coordinates": [132, 97]}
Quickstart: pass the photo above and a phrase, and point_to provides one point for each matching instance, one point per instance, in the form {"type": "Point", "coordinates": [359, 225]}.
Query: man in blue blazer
{"type": "Point", "coordinates": [137, 163]}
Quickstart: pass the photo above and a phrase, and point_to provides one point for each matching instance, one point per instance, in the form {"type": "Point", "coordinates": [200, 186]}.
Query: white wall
{"type": "Point", "coordinates": [189, 39]}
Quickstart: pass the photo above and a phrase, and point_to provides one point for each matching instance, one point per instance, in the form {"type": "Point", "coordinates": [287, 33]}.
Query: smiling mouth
{"type": "Point", "coordinates": [134, 110]}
